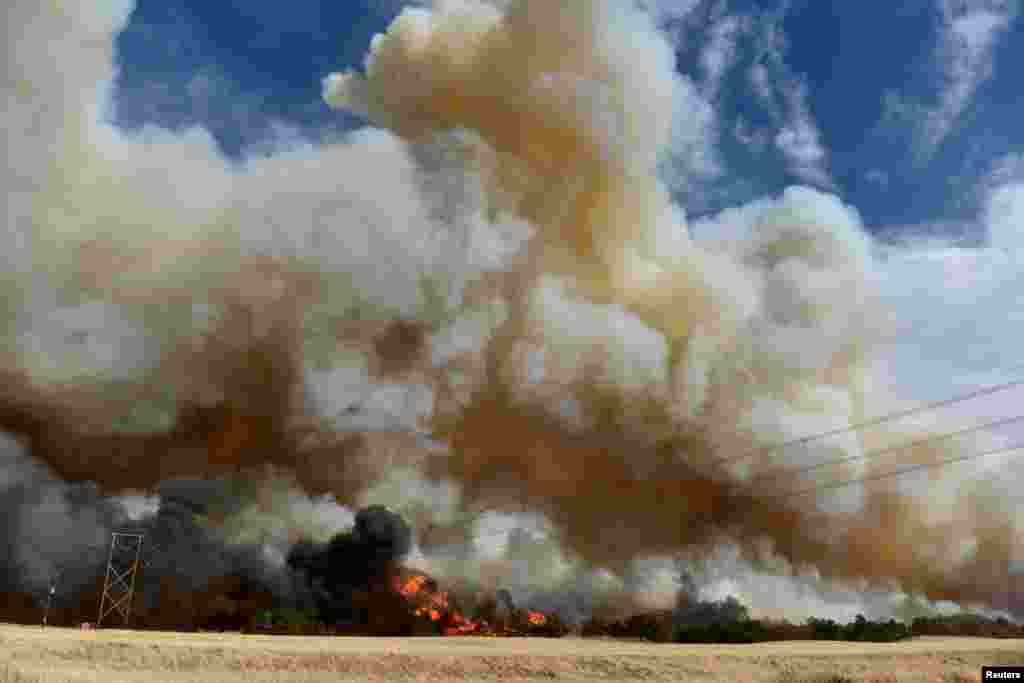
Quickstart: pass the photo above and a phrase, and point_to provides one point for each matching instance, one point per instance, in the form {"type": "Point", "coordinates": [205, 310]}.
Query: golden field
{"type": "Point", "coordinates": [36, 655]}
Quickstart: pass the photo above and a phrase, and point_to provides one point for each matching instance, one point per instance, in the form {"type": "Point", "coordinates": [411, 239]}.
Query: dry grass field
{"type": "Point", "coordinates": [36, 655]}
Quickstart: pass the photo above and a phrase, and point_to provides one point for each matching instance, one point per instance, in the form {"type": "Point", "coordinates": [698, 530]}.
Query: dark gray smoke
{"type": "Point", "coordinates": [191, 575]}
{"type": "Point", "coordinates": [49, 530]}
{"type": "Point", "coordinates": [708, 612]}
{"type": "Point", "coordinates": [58, 535]}
{"type": "Point", "coordinates": [351, 578]}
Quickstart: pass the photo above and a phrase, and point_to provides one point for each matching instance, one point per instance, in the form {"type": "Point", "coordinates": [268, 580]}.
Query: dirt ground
{"type": "Point", "coordinates": [36, 655]}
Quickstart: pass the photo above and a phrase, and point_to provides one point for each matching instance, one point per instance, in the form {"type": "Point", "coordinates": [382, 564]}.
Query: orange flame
{"type": "Point", "coordinates": [428, 602]}
{"type": "Point", "coordinates": [439, 600]}
{"type": "Point", "coordinates": [464, 629]}
{"type": "Point", "coordinates": [413, 586]}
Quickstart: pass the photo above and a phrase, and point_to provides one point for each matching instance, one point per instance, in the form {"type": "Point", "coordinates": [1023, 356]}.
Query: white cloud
{"type": "Point", "coordinates": [721, 51]}
{"type": "Point", "coordinates": [669, 14]}
{"type": "Point", "coordinates": [692, 156]}
{"type": "Point", "coordinates": [1000, 194]}
{"type": "Point", "coordinates": [761, 84]}
{"type": "Point", "coordinates": [1004, 217]}
{"type": "Point", "coordinates": [969, 33]}
{"type": "Point", "coordinates": [795, 133]}
{"type": "Point", "coordinates": [751, 138]}
{"type": "Point", "coordinates": [784, 96]}
{"type": "Point", "coordinates": [1009, 168]}
{"type": "Point", "coordinates": [799, 140]}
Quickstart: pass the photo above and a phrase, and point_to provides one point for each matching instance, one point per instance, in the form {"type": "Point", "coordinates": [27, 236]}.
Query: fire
{"type": "Point", "coordinates": [427, 602]}
{"type": "Point", "coordinates": [413, 586]}
{"type": "Point", "coordinates": [466, 629]}
{"type": "Point", "coordinates": [431, 603]}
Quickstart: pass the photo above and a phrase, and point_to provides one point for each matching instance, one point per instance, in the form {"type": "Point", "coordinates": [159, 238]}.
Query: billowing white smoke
{"type": "Point", "coordinates": [280, 514]}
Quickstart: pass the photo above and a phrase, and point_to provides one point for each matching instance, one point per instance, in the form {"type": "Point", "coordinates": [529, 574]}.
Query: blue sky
{"type": "Point", "coordinates": [861, 77]}
{"type": "Point", "coordinates": [237, 68]}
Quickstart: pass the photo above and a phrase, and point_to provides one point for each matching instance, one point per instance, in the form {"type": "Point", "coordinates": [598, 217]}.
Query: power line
{"type": "Point", "coordinates": [886, 475]}
{"type": "Point", "coordinates": [782, 471]}
{"type": "Point", "coordinates": [871, 423]}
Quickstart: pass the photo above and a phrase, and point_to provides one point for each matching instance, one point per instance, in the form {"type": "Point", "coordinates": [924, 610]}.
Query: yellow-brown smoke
{"type": "Point", "coordinates": [632, 356]}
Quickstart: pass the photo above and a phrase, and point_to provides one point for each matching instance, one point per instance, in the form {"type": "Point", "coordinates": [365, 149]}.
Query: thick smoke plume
{"type": "Point", "coordinates": [488, 304]}
{"type": "Point", "coordinates": [351, 577]}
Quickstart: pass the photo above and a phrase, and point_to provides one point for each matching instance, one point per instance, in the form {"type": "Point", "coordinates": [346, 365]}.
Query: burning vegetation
{"type": "Point", "coordinates": [428, 601]}
{"type": "Point", "coordinates": [359, 585]}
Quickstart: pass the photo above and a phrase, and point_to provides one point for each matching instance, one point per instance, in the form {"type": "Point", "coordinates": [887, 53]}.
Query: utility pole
{"type": "Point", "coordinates": [49, 600]}
{"type": "Point", "coordinates": [122, 566]}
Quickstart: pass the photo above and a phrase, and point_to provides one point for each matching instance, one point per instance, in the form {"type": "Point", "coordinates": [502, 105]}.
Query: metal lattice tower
{"type": "Point", "coordinates": [122, 566]}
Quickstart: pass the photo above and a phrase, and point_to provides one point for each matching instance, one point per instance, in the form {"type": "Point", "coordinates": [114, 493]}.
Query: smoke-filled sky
{"type": "Point", "coordinates": [526, 271]}
{"type": "Point", "coordinates": [909, 114]}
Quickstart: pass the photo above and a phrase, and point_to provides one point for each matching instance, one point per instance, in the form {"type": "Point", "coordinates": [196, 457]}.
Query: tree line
{"type": "Point", "coordinates": [728, 621]}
